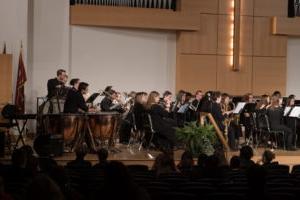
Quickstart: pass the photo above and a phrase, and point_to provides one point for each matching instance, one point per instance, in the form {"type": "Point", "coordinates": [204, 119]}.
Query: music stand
{"type": "Point", "coordinates": [92, 98]}
{"type": "Point", "coordinates": [238, 109]}
{"type": "Point", "coordinates": [287, 111]}
{"type": "Point", "coordinates": [295, 112]}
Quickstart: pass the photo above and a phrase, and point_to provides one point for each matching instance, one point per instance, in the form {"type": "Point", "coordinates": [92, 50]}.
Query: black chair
{"type": "Point", "coordinates": [275, 133]}
{"type": "Point", "coordinates": [137, 168]}
{"type": "Point", "coordinates": [282, 170]}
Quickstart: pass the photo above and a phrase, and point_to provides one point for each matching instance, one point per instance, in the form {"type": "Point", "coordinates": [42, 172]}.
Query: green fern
{"type": "Point", "coordinates": [197, 139]}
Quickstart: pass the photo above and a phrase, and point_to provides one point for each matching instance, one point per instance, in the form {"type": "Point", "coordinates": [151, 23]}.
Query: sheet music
{"type": "Point", "coordinates": [287, 110]}
{"type": "Point", "coordinates": [183, 108]}
{"type": "Point", "coordinates": [239, 107]}
{"type": "Point", "coordinates": [295, 112]}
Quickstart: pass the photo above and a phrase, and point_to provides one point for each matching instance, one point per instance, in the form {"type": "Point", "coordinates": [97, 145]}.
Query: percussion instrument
{"type": "Point", "coordinates": [100, 126]}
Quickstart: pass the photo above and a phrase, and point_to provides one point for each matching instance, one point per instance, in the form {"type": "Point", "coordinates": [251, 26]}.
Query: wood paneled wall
{"type": "Point", "coordinates": [5, 79]}
{"type": "Point", "coordinates": [203, 57]}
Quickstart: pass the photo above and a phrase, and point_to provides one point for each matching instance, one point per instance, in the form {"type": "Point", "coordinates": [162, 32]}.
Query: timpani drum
{"type": "Point", "coordinates": [68, 125]}
{"type": "Point", "coordinates": [104, 126]}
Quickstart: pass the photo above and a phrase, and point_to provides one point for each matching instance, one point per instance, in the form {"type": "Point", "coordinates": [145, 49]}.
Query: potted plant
{"type": "Point", "coordinates": [197, 139]}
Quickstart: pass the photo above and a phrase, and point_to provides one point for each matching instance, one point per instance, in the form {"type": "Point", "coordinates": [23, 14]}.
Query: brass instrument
{"type": "Point", "coordinates": [229, 118]}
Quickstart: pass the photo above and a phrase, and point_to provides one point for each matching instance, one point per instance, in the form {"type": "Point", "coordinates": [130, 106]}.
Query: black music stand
{"type": "Point", "coordinates": [92, 98]}
{"type": "Point", "coordinates": [21, 129]}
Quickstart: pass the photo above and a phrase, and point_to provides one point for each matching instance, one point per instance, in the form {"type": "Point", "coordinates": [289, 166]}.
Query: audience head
{"type": "Point", "coordinates": [235, 162]}
{"type": "Point", "coordinates": [81, 152]}
{"type": "Point", "coordinates": [267, 157]}
{"type": "Point", "coordinates": [116, 174]}
{"type": "Point", "coordinates": [42, 187]}
{"type": "Point", "coordinates": [75, 83]}
{"type": "Point", "coordinates": [61, 74]}
{"type": "Point", "coordinates": [256, 176]}
{"type": "Point", "coordinates": [202, 158]}
{"type": "Point", "coordinates": [246, 153]}
{"type": "Point", "coordinates": [19, 158]}
{"type": "Point", "coordinates": [102, 155]}
{"type": "Point", "coordinates": [187, 161]}
{"type": "Point", "coordinates": [164, 163]}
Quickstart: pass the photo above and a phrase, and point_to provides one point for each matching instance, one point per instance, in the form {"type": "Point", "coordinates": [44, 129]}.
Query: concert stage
{"type": "Point", "coordinates": [133, 156]}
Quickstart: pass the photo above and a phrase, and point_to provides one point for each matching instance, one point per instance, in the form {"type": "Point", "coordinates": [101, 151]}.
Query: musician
{"type": "Point", "coordinates": [216, 110]}
{"type": "Point", "coordinates": [166, 101]}
{"type": "Point", "coordinates": [275, 114]}
{"type": "Point", "coordinates": [135, 117]}
{"type": "Point", "coordinates": [56, 83]}
{"type": "Point", "coordinates": [261, 110]}
{"type": "Point", "coordinates": [75, 102]}
{"type": "Point", "coordinates": [75, 83]}
{"type": "Point", "coordinates": [180, 101]}
{"type": "Point", "coordinates": [163, 125]}
{"type": "Point", "coordinates": [194, 108]}
{"type": "Point", "coordinates": [231, 126]}
{"type": "Point", "coordinates": [245, 117]}
{"type": "Point", "coordinates": [110, 102]}
{"type": "Point", "coordinates": [291, 122]}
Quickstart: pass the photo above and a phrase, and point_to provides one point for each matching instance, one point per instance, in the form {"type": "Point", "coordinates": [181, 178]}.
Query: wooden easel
{"type": "Point", "coordinates": [219, 133]}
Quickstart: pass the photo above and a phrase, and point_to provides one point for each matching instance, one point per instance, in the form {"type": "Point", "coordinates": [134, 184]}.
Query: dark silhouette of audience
{"type": "Point", "coordinates": [118, 183]}
{"type": "Point", "coordinates": [186, 163]}
{"type": "Point", "coordinates": [246, 154]}
{"type": "Point", "coordinates": [79, 162]}
{"type": "Point", "coordinates": [164, 164]}
{"type": "Point", "coordinates": [235, 163]}
{"type": "Point", "coordinates": [102, 159]}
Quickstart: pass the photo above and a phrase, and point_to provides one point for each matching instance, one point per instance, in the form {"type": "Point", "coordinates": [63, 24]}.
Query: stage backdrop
{"type": "Point", "coordinates": [136, 60]}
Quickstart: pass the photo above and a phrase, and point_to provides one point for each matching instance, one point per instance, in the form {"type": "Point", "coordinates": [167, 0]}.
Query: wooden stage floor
{"type": "Point", "coordinates": [134, 156]}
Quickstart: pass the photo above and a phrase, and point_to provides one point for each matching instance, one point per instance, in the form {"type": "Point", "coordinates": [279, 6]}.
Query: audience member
{"type": "Point", "coordinates": [3, 195]}
{"type": "Point", "coordinates": [79, 162]}
{"type": "Point", "coordinates": [42, 187]}
{"type": "Point", "coordinates": [186, 163]}
{"type": "Point", "coordinates": [267, 158]}
{"type": "Point", "coordinates": [246, 154]}
{"type": "Point", "coordinates": [102, 159]}
{"type": "Point", "coordinates": [118, 184]}
{"type": "Point", "coordinates": [164, 164]}
{"type": "Point", "coordinates": [235, 163]}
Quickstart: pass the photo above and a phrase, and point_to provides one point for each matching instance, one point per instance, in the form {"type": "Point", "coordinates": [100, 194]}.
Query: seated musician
{"type": "Point", "coordinates": [135, 117]}
{"type": "Point", "coordinates": [53, 85]}
{"type": "Point", "coordinates": [245, 117]}
{"type": "Point", "coordinates": [261, 110]}
{"type": "Point", "coordinates": [108, 103]}
{"type": "Point", "coordinates": [180, 101]}
{"type": "Point", "coordinates": [166, 101]}
{"type": "Point", "coordinates": [163, 125]}
{"type": "Point", "coordinates": [275, 114]}
{"type": "Point", "coordinates": [291, 122]}
{"type": "Point", "coordinates": [231, 124]}
{"type": "Point", "coordinates": [194, 108]}
{"type": "Point", "coordinates": [75, 102]}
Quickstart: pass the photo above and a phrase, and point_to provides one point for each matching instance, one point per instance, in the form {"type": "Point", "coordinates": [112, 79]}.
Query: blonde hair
{"type": "Point", "coordinates": [151, 99]}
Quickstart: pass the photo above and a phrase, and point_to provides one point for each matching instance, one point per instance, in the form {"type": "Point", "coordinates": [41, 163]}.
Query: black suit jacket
{"type": "Point", "coordinates": [52, 87]}
{"type": "Point", "coordinates": [74, 102]}
{"type": "Point", "coordinates": [218, 116]}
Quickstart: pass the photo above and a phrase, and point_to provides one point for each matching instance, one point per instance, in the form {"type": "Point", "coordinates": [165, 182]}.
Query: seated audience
{"type": "Point", "coordinates": [118, 184]}
{"type": "Point", "coordinates": [164, 164]}
{"type": "Point", "coordinates": [42, 187]}
{"type": "Point", "coordinates": [102, 159]}
{"type": "Point", "coordinates": [235, 163]}
{"type": "Point", "coordinates": [267, 158]}
{"type": "Point", "coordinates": [246, 153]}
{"type": "Point", "coordinates": [186, 163]}
{"type": "Point", "coordinates": [3, 194]}
{"type": "Point", "coordinates": [79, 162]}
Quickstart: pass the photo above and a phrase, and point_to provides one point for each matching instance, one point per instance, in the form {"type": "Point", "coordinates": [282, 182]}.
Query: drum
{"type": "Point", "coordinates": [68, 125]}
{"type": "Point", "coordinates": [104, 126]}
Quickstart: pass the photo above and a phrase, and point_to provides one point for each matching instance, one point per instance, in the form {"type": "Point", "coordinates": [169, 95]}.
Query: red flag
{"type": "Point", "coordinates": [21, 79]}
